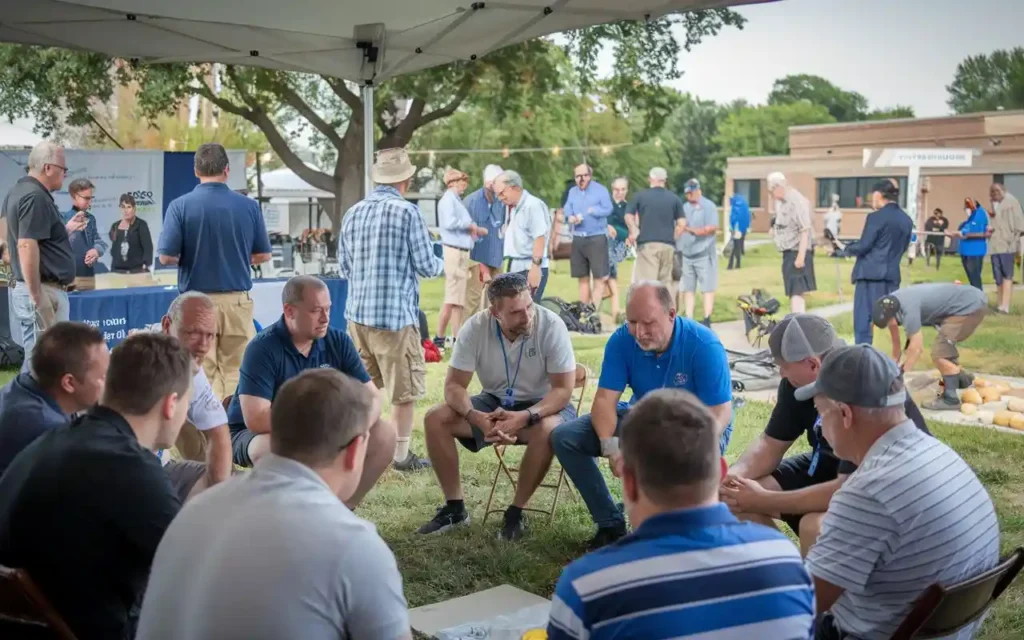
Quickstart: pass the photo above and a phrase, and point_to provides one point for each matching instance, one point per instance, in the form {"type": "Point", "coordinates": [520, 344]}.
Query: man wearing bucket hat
{"type": "Point", "coordinates": [763, 486]}
{"type": "Point", "coordinates": [954, 310]}
{"type": "Point", "coordinates": [913, 515]}
{"type": "Point", "coordinates": [458, 234]}
{"type": "Point", "coordinates": [383, 249]}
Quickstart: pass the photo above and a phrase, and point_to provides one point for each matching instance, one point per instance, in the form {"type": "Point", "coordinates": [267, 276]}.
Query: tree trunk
{"type": "Point", "coordinates": [348, 176]}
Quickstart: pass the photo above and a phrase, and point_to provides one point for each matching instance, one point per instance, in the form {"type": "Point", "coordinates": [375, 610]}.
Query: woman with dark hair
{"type": "Point", "coordinates": [935, 245]}
{"type": "Point", "coordinates": [132, 248]}
{"type": "Point", "coordinates": [973, 233]}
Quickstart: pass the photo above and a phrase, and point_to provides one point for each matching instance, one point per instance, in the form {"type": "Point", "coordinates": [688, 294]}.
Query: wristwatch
{"type": "Point", "coordinates": [534, 417]}
{"type": "Point", "coordinates": [609, 447]}
{"type": "Point", "coordinates": [537, 261]}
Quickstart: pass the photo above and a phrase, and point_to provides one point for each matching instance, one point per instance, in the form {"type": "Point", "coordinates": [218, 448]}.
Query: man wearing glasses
{"type": "Point", "coordinates": [42, 260]}
{"type": "Point", "coordinates": [86, 242]}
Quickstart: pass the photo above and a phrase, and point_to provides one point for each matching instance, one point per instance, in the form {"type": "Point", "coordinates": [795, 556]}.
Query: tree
{"type": "Point", "coordinates": [988, 82]}
{"type": "Point", "coordinates": [764, 130]}
{"type": "Point", "coordinates": [691, 137]}
{"type": "Point", "coordinates": [845, 106]}
{"type": "Point", "coordinates": [893, 113]}
{"type": "Point", "coordinates": [51, 84]}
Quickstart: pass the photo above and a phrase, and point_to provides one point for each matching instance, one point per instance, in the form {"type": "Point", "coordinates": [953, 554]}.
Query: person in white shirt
{"type": "Point", "coordinates": [526, 231]}
{"type": "Point", "coordinates": [192, 319]}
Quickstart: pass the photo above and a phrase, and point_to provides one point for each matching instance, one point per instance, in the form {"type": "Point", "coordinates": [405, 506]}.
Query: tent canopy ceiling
{"type": "Point", "coordinates": [313, 36]}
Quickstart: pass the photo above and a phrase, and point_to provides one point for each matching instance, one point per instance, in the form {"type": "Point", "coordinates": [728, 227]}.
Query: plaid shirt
{"type": "Point", "coordinates": [384, 245]}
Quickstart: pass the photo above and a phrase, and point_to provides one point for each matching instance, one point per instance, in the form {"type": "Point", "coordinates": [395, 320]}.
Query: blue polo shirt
{"type": "Point", "coordinates": [695, 361]}
{"type": "Point", "coordinates": [214, 232]}
{"type": "Point", "coordinates": [692, 572]}
{"type": "Point", "coordinates": [976, 223]}
{"type": "Point", "coordinates": [26, 412]}
{"type": "Point", "coordinates": [271, 359]}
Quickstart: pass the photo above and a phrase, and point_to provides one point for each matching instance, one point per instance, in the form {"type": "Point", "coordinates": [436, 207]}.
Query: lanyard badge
{"type": "Point", "coordinates": [510, 380]}
{"type": "Point", "coordinates": [816, 456]}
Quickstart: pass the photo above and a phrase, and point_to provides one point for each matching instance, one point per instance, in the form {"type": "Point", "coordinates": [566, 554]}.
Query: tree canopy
{"type": "Point", "coordinates": [988, 82]}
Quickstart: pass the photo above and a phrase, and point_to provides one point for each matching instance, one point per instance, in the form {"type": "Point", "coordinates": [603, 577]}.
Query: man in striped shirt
{"type": "Point", "coordinates": [690, 569]}
{"type": "Point", "coordinates": [913, 513]}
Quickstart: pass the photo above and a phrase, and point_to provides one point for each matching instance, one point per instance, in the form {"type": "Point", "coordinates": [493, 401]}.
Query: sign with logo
{"type": "Point", "coordinates": [935, 158]}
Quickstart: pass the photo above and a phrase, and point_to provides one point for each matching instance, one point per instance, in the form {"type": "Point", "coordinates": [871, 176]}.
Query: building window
{"type": "Point", "coordinates": [1014, 182]}
{"type": "Point", "coordinates": [749, 189]}
{"type": "Point", "coordinates": [854, 193]}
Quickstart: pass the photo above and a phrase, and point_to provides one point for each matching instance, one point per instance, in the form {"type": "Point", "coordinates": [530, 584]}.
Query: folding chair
{"type": "Point", "coordinates": [23, 606]}
{"type": "Point", "coordinates": [579, 390]}
{"type": "Point", "coordinates": [942, 611]}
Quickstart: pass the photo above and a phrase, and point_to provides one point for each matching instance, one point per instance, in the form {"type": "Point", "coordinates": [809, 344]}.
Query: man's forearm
{"type": "Point", "coordinates": [457, 397]}
{"type": "Point", "coordinates": [218, 456]}
{"type": "Point", "coordinates": [632, 224]}
{"type": "Point", "coordinates": [756, 462]}
{"type": "Point", "coordinates": [538, 248]}
{"type": "Point", "coordinates": [912, 355]}
{"type": "Point", "coordinates": [801, 250]}
{"type": "Point", "coordinates": [605, 419]}
{"type": "Point", "coordinates": [168, 260]}
{"type": "Point", "coordinates": [260, 258]}
{"type": "Point", "coordinates": [28, 257]}
{"type": "Point", "coordinates": [814, 499]}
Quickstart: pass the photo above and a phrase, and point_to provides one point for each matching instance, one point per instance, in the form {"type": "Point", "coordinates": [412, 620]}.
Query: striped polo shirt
{"type": "Point", "coordinates": [695, 573]}
{"type": "Point", "coordinates": [912, 515]}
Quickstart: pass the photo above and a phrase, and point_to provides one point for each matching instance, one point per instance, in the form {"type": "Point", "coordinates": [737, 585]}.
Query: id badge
{"type": "Point", "coordinates": [814, 461]}
{"type": "Point", "coordinates": [509, 399]}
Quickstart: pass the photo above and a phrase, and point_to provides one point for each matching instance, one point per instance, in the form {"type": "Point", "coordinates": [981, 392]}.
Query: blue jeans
{"type": "Point", "coordinates": [577, 447]}
{"type": "Point", "coordinates": [973, 266]}
{"type": "Point", "coordinates": [30, 323]}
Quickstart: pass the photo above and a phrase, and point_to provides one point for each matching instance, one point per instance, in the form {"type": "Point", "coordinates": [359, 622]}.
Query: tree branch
{"type": "Point", "coordinates": [225, 105]}
{"type": "Point", "coordinates": [104, 131]}
{"type": "Point", "coordinates": [354, 102]}
{"type": "Point", "coordinates": [295, 101]}
{"type": "Point", "coordinates": [318, 179]}
{"type": "Point", "coordinates": [402, 132]}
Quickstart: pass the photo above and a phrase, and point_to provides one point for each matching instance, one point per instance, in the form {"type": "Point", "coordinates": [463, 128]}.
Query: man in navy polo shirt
{"type": "Point", "coordinates": [68, 369]}
{"type": "Point", "coordinates": [302, 339]}
{"type": "Point", "coordinates": [214, 234]}
{"type": "Point", "coordinates": [655, 349]}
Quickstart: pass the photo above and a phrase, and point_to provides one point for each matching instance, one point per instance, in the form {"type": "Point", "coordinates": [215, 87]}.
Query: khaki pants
{"type": "Point", "coordinates": [191, 443]}
{"type": "Point", "coordinates": [234, 331]}
{"type": "Point", "coordinates": [476, 301]}
{"type": "Point", "coordinates": [953, 330]}
{"type": "Point", "coordinates": [394, 360]}
{"type": "Point", "coordinates": [456, 275]}
{"type": "Point", "coordinates": [654, 262]}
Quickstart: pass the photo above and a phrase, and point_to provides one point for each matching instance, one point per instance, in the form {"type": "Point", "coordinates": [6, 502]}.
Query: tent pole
{"type": "Point", "coordinates": [367, 137]}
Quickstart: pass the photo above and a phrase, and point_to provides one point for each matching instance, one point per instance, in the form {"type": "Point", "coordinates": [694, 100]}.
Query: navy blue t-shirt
{"type": "Point", "coordinates": [214, 232]}
{"type": "Point", "coordinates": [26, 412]}
{"type": "Point", "coordinates": [271, 359]}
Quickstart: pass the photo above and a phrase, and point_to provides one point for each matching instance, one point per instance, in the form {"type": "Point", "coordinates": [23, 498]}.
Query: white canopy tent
{"type": "Point", "coordinates": [361, 41]}
{"type": "Point", "coordinates": [283, 183]}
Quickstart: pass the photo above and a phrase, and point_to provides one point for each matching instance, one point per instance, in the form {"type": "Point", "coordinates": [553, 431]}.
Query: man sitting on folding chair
{"type": "Point", "coordinates": [523, 357]}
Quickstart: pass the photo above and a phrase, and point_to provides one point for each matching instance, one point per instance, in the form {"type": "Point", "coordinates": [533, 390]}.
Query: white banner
{"type": "Point", "coordinates": [140, 173]}
{"type": "Point", "coordinates": [918, 157]}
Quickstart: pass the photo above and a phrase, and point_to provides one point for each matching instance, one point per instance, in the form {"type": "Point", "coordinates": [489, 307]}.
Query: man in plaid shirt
{"type": "Point", "coordinates": [383, 248]}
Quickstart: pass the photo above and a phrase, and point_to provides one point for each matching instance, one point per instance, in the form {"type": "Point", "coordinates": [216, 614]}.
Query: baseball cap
{"type": "Point", "coordinates": [802, 335]}
{"type": "Point", "coordinates": [886, 308]}
{"type": "Point", "coordinates": [691, 185]}
{"type": "Point", "coordinates": [860, 376]}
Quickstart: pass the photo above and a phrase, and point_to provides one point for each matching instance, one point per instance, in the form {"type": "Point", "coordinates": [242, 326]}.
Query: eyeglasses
{"type": "Point", "coordinates": [62, 168]}
{"type": "Point", "coordinates": [498, 194]}
{"type": "Point", "coordinates": [580, 177]}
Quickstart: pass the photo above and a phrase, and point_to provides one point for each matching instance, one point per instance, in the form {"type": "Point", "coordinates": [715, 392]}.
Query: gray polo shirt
{"type": "Point", "coordinates": [702, 214]}
{"type": "Point", "coordinates": [32, 215]}
{"type": "Point", "coordinates": [929, 304]}
{"type": "Point", "coordinates": [911, 515]}
{"type": "Point", "coordinates": [272, 554]}
{"type": "Point", "coordinates": [545, 351]}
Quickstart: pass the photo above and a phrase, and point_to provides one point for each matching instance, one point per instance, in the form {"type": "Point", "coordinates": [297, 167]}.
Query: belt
{"type": "Point", "coordinates": [49, 283]}
{"type": "Point", "coordinates": [451, 246]}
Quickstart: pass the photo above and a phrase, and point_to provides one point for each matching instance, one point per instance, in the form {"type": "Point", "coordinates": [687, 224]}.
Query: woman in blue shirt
{"type": "Point", "coordinates": [973, 233]}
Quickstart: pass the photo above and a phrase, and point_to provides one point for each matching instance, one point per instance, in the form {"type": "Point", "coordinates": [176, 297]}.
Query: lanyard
{"type": "Point", "coordinates": [509, 384]}
{"type": "Point", "coordinates": [816, 456]}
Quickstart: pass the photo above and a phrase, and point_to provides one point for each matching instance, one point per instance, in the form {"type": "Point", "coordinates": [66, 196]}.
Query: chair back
{"type": "Point", "coordinates": [227, 401]}
{"type": "Point", "coordinates": [23, 604]}
{"type": "Point", "coordinates": [941, 611]}
{"type": "Point", "coordinates": [580, 388]}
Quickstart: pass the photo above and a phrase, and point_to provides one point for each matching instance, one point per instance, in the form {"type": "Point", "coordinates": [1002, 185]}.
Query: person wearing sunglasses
{"type": "Point", "coordinates": [42, 261]}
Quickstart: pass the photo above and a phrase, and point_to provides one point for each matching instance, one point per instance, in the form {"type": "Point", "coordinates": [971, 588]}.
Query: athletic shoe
{"type": "Point", "coordinates": [513, 527]}
{"type": "Point", "coordinates": [966, 379]}
{"type": "Point", "coordinates": [447, 517]}
{"type": "Point", "coordinates": [412, 462]}
{"type": "Point", "coordinates": [606, 536]}
{"type": "Point", "coordinates": [439, 342]}
{"type": "Point", "coordinates": [942, 403]}
{"type": "Point", "coordinates": [707, 322]}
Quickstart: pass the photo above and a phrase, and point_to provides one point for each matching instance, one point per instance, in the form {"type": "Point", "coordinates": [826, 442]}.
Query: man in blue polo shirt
{"type": "Point", "coordinates": [690, 569]}
{"type": "Point", "coordinates": [214, 234]}
{"type": "Point", "coordinates": [655, 349]}
{"type": "Point", "coordinates": [68, 369]}
{"type": "Point", "coordinates": [302, 339]}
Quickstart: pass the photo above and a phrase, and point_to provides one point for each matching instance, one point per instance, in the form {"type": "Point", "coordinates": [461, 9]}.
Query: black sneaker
{"type": "Point", "coordinates": [439, 343]}
{"type": "Point", "coordinates": [606, 536]}
{"type": "Point", "coordinates": [942, 403]}
{"type": "Point", "coordinates": [447, 517]}
{"type": "Point", "coordinates": [966, 379]}
{"type": "Point", "coordinates": [707, 322]}
{"type": "Point", "coordinates": [412, 462]}
{"type": "Point", "coordinates": [513, 528]}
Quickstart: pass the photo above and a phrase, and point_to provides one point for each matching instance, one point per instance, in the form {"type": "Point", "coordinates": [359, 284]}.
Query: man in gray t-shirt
{"type": "Point", "coordinates": [697, 245]}
{"type": "Point", "coordinates": [954, 310]}
{"type": "Point", "coordinates": [523, 358]}
{"type": "Point", "coordinates": [655, 219]}
{"type": "Point", "coordinates": [275, 553]}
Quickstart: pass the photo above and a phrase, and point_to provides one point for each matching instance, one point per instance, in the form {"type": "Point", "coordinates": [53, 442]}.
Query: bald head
{"type": "Point", "coordinates": [192, 319]}
{"type": "Point", "coordinates": [650, 315]}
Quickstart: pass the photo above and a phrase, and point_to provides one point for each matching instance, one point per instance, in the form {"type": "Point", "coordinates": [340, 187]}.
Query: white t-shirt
{"type": "Point", "coordinates": [545, 351]}
{"type": "Point", "coordinates": [204, 409]}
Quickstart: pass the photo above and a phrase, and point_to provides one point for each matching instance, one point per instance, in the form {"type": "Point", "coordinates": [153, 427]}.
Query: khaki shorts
{"type": "Point", "coordinates": [234, 331]}
{"type": "Point", "coordinates": [394, 360]}
{"type": "Point", "coordinates": [456, 275]}
{"type": "Point", "coordinates": [654, 262]}
{"type": "Point", "coordinates": [953, 330]}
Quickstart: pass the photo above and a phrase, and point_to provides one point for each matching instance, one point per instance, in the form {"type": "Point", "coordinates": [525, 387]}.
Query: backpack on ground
{"type": "Point", "coordinates": [577, 317]}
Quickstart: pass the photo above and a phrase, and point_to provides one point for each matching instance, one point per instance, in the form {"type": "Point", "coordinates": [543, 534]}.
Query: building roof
{"type": "Point", "coordinates": [901, 121]}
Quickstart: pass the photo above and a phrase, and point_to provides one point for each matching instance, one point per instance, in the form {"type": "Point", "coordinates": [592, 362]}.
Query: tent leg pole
{"type": "Point", "coordinates": [367, 137]}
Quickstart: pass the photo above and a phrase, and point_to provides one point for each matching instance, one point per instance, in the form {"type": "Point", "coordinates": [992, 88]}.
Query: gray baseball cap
{"type": "Point", "coordinates": [860, 376]}
{"type": "Point", "coordinates": [799, 336]}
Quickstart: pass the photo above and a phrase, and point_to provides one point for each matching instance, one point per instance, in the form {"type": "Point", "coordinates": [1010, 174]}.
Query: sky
{"type": "Point", "coordinates": [891, 51]}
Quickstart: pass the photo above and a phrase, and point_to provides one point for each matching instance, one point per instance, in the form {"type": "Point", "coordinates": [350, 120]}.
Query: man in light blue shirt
{"type": "Point", "coordinates": [458, 234]}
{"type": "Point", "coordinates": [700, 256]}
{"type": "Point", "coordinates": [587, 208]}
{"type": "Point", "coordinates": [526, 231]}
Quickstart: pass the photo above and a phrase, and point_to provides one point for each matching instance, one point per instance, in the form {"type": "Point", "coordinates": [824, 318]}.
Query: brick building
{"type": "Point", "coordinates": [827, 159]}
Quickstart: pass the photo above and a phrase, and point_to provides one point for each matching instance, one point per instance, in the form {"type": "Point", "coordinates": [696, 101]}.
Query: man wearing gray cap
{"type": "Point", "coordinates": [700, 255]}
{"type": "Point", "coordinates": [762, 486]}
{"type": "Point", "coordinates": [913, 515]}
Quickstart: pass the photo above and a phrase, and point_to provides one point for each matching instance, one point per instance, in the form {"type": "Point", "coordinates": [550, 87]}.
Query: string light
{"type": "Point", "coordinates": [555, 150]}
